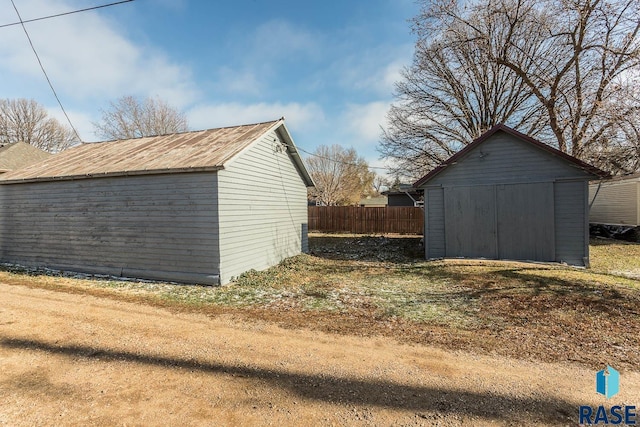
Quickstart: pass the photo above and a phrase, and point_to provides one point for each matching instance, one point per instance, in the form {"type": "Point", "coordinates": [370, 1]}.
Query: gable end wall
{"type": "Point", "coordinates": [504, 159]}
{"type": "Point", "coordinates": [262, 208]}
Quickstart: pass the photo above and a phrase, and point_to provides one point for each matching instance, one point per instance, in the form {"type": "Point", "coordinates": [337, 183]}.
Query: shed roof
{"type": "Point", "coordinates": [20, 154]}
{"type": "Point", "coordinates": [622, 178]}
{"type": "Point", "coordinates": [196, 151]}
{"type": "Point", "coordinates": [501, 127]}
{"type": "Point", "coordinates": [402, 190]}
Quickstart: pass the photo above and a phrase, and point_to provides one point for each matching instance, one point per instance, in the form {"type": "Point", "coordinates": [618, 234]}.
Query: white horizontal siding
{"type": "Point", "coordinates": [615, 203]}
{"type": "Point", "coordinates": [504, 159]}
{"type": "Point", "coordinates": [152, 226]}
{"type": "Point", "coordinates": [262, 208]}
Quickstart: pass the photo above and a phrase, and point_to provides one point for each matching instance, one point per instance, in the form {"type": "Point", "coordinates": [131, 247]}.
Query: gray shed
{"type": "Point", "coordinates": [508, 196]}
{"type": "Point", "coordinates": [616, 201]}
{"type": "Point", "coordinates": [194, 207]}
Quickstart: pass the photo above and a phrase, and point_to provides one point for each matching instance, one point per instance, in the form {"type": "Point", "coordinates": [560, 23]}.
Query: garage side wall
{"type": "Point", "coordinates": [263, 208]}
{"type": "Point", "coordinates": [153, 227]}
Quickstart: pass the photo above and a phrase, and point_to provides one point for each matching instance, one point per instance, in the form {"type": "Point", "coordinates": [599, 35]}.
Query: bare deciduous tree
{"type": "Point", "coordinates": [341, 177]}
{"type": "Point", "coordinates": [25, 120]}
{"type": "Point", "coordinates": [583, 71]}
{"type": "Point", "coordinates": [572, 66]}
{"type": "Point", "coordinates": [129, 118]}
{"type": "Point", "coordinates": [450, 95]}
{"type": "Point", "coordinates": [380, 183]}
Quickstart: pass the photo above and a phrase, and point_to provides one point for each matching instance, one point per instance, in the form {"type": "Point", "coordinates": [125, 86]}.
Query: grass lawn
{"type": "Point", "coordinates": [368, 285]}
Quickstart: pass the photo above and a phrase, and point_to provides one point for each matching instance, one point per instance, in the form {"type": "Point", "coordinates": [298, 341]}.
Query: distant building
{"type": "Point", "coordinates": [373, 202]}
{"type": "Point", "coordinates": [615, 201]}
{"type": "Point", "coordinates": [20, 154]}
{"type": "Point", "coordinates": [405, 195]}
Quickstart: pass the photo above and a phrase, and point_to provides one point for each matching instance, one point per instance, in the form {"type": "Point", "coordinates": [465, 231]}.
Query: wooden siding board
{"type": "Point", "coordinates": [570, 219]}
{"type": "Point", "coordinates": [615, 203]}
{"type": "Point", "coordinates": [262, 206]}
{"type": "Point", "coordinates": [151, 225]}
{"type": "Point", "coordinates": [434, 223]}
{"type": "Point", "coordinates": [505, 159]}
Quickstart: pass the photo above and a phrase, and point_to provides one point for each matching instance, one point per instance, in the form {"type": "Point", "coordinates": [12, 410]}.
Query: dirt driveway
{"type": "Point", "coordinates": [68, 359]}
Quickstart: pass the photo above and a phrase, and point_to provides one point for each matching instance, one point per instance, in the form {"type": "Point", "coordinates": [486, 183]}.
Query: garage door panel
{"type": "Point", "coordinates": [526, 221]}
{"type": "Point", "coordinates": [470, 222]}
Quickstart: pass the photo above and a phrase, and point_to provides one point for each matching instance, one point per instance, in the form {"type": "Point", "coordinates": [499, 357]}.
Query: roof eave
{"type": "Point", "coordinates": [293, 151]}
{"type": "Point", "coordinates": [112, 174]}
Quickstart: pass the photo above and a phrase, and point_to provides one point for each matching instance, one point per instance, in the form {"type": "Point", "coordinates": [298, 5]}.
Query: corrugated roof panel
{"type": "Point", "coordinates": [198, 150]}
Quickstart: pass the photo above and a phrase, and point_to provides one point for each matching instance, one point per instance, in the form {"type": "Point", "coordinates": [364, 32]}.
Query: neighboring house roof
{"type": "Point", "coordinates": [20, 154]}
{"type": "Point", "coordinates": [501, 127]}
{"type": "Point", "coordinates": [403, 190]}
{"type": "Point", "coordinates": [373, 201]}
{"type": "Point", "coordinates": [196, 151]}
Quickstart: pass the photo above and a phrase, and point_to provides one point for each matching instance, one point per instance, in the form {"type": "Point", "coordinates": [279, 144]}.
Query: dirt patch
{"type": "Point", "coordinates": [71, 359]}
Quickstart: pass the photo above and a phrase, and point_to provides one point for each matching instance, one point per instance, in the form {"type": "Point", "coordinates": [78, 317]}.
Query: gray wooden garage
{"type": "Point", "coordinates": [194, 207]}
{"type": "Point", "coordinates": [508, 196]}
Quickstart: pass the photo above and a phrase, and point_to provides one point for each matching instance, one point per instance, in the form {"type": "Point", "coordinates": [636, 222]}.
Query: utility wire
{"type": "Point", "coordinates": [45, 73]}
{"type": "Point", "coordinates": [63, 14]}
{"type": "Point", "coordinates": [338, 161]}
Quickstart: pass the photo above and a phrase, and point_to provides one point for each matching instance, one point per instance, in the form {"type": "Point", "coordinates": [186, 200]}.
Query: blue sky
{"type": "Point", "coordinates": [327, 66]}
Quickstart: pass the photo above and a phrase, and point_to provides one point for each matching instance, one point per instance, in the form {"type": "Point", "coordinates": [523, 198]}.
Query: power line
{"type": "Point", "coordinates": [338, 161]}
{"type": "Point", "coordinates": [64, 14]}
{"type": "Point", "coordinates": [45, 73]}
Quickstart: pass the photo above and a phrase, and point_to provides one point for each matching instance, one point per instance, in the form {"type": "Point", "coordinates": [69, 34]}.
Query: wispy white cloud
{"type": "Point", "coordinates": [239, 82]}
{"type": "Point", "coordinates": [87, 57]}
{"type": "Point", "coordinates": [299, 117]}
{"type": "Point", "coordinates": [373, 71]}
{"type": "Point", "coordinates": [82, 122]}
{"type": "Point", "coordinates": [280, 39]}
{"type": "Point", "coordinates": [262, 57]}
{"type": "Point", "coordinates": [364, 120]}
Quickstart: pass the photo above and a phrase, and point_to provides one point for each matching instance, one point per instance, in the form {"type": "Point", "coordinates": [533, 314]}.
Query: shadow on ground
{"type": "Point", "coordinates": [399, 249]}
{"type": "Point", "coordinates": [339, 390]}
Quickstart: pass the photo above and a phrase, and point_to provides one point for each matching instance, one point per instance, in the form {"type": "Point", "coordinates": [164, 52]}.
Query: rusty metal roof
{"type": "Point", "coordinates": [179, 152]}
{"type": "Point", "coordinates": [20, 154]}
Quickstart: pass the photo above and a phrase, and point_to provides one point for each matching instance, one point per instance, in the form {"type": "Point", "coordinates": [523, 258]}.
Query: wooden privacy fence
{"type": "Point", "coordinates": [361, 220]}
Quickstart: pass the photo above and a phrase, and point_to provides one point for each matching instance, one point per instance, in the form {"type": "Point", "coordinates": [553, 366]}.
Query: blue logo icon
{"type": "Point", "coordinates": [608, 382]}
